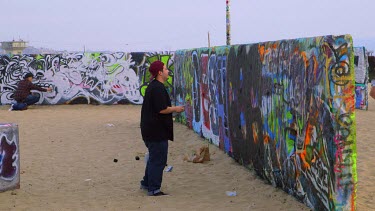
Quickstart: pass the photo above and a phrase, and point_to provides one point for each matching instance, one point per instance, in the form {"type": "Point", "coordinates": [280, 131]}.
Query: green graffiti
{"type": "Point", "coordinates": [38, 57]}
{"type": "Point", "coordinates": [166, 59]}
{"type": "Point", "coordinates": [111, 69]}
{"type": "Point", "coordinates": [290, 145]}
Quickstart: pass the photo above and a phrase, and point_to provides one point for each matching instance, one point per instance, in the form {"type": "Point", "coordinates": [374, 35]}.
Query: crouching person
{"type": "Point", "coordinates": [23, 95]}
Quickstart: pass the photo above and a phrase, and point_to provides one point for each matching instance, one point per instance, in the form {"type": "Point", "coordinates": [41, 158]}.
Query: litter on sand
{"type": "Point", "coordinates": [168, 169]}
{"type": "Point", "coordinates": [231, 193]}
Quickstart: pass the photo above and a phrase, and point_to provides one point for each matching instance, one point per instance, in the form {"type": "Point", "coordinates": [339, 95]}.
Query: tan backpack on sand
{"type": "Point", "coordinates": [202, 154]}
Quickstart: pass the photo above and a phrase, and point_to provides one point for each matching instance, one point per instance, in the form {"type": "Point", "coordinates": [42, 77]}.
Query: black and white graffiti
{"type": "Point", "coordinates": [90, 78]}
{"type": "Point", "coordinates": [9, 157]}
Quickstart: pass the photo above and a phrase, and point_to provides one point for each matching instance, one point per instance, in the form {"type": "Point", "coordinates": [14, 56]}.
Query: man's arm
{"type": "Point", "coordinates": [172, 109]}
{"type": "Point", "coordinates": [35, 87]}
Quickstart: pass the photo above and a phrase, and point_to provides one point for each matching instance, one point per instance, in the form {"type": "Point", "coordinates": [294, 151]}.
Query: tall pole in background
{"type": "Point", "coordinates": [208, 38]}
{"type": "Point", "coordinates": [228, 23]}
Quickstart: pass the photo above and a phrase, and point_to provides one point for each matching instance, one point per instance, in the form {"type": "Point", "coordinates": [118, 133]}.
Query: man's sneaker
{"type": "Point", "coordinates": [11, 107]}
{"type": "Point", "coordinates": [158, 193]}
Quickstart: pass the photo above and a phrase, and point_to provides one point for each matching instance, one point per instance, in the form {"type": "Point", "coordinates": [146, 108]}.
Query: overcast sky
{"type": "Point", "coordinates": [147, 25]}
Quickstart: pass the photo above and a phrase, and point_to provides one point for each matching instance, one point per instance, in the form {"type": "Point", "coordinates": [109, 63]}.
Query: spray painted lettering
{"type": "Point", "coordinates": [284, 109]}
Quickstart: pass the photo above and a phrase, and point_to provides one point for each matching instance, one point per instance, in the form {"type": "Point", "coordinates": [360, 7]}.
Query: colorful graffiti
{"type": "Point", "coordinates": [89, 78]}
{"type": "Point", "coordinates": [284, 109]}
{"type": "Point", "coordinates": [167, 58]}
{"type": "Point", "coordinates": [361, 66]}
{"type": "Point", "coordinates": [9, 157]}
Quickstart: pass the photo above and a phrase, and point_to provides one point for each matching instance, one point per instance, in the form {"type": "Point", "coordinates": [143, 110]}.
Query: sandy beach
{"type": "Point", "coordinates": [67, 157]}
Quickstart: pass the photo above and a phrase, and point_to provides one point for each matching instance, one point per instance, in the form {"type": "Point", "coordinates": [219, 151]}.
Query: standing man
{"type": "Point", "coordinates": [157, 127]}
{"type": "Point", "coordinates": [372, 91]}
{"type": "Point", "coordinates": [23, 95]}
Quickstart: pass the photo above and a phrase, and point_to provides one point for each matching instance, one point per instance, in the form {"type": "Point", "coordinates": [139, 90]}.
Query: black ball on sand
{"type": "Point", "coordinates": [115, 160]}
{"type": "Point", "coordinates": [136, 157]}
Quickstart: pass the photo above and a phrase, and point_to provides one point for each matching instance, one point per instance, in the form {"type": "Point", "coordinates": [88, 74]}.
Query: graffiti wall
{"type": "Point", "coordinates": [89, 78]}
{"type": "Point", "coordinates": [361, 67]}
{"type": "Point", "coordinates": [284, 109]}
{"type": "Point", "coordinates": [9, 157]}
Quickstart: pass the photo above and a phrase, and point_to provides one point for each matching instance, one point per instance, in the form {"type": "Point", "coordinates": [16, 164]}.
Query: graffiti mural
{"type": "Point", "coordinates": [145, 60]}
{"type": "Point", "coordinates": [361, 66]}
{"type": "Point", "coordinates": [9, 157]}
{"type": "Point", "coordinates": [89, 78]}
{"type": "Point", "coordinates": [284, 109]}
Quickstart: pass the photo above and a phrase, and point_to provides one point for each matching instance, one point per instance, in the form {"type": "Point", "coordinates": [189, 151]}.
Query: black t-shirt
{"type": "Point", "coordinates": [156, 126]}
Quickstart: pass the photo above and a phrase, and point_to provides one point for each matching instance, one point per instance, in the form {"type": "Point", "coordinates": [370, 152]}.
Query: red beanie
{"type": "Point", "coordinates": [155, 67]}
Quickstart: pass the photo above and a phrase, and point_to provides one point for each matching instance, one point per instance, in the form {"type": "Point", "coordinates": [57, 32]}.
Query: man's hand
{"type": "Point", "coordinates": [172, 109]}
{"type": "Point", "coordinates": [180, 109]}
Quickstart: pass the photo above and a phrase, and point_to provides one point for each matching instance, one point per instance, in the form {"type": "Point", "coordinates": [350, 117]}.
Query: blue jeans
{"type": "Point", "coordinates": [31, 99]}
{"type": "Point", "coordinates": [158, 153]}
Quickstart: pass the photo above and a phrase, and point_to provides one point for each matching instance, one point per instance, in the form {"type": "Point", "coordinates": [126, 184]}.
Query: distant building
{"type": "Point", "coordinates": [14, 47]}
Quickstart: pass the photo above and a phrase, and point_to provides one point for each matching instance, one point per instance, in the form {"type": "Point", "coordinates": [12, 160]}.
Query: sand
{"type": "Point", "coordinates": [67, 157]}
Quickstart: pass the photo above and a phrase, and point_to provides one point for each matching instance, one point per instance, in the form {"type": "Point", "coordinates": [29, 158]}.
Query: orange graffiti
{"type": "Point", "coordinates": [315, 67]}
{"type": "Point", "coordinates": [296, 50]}
{"type": "Point", "coordinates": [308, 135]}
{"type": "Point", "coordinates": [262, 52]}
{"type": "Point", "coordinates": [353, 198]}
{"type": "Point", "coordinates": [305, 59]}
{"type": "Point", "coordinates": [266, 139]}
{"type": "Point", "coordinates": [254, 126]}
{"type": "Point", "coordinates": [274, 46]}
